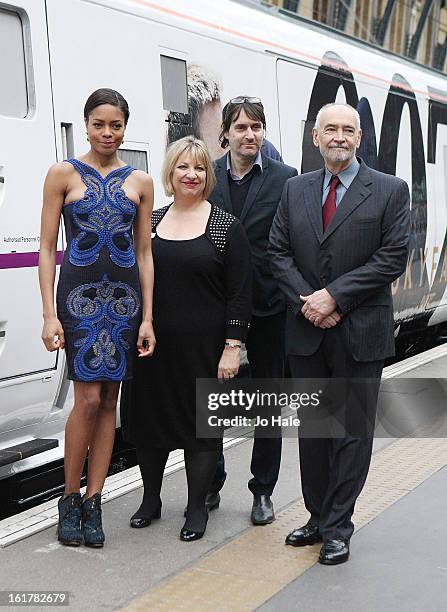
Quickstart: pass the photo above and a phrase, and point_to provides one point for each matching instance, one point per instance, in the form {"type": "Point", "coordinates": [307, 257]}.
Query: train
{"type": "Point", "coordinates": [177, 63]}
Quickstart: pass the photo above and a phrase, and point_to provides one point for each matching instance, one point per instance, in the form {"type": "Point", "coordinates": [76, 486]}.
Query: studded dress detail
{"type": "Point", "coordinates": [98, 294]}
{"type": "Point", "coordinates": [202, 295]}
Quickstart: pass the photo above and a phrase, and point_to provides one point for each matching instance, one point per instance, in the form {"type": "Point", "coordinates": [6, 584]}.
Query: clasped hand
{"type": "Point", "coordinates": [320, 309]}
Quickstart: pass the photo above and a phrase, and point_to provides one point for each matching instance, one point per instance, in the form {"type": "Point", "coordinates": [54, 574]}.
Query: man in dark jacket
{"type": "Point", "coordinates": [338, 241]}
{"type": "Point", "coordinates": [249, 186]}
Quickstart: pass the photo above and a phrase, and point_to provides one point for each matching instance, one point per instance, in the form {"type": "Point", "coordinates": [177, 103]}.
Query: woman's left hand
{"type": "Point", "coordinates": [229, 363]}
{"type": "Point", "coordinates": [146, 340]}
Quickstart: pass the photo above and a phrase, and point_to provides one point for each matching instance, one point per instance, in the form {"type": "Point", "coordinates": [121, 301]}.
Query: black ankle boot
{"type": "Point", "coordinates": [92, 521]}
{"type": "Point", "coordinates": [69, 525]}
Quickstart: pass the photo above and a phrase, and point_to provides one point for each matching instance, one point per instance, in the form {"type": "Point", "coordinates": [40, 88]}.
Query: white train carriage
{"type": "Point", "coordinates": [176, 63]}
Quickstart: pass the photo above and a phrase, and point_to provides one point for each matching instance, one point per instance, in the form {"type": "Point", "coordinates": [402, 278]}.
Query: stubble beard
{"type": "Point", "coordinates": [249, 156]}
{"type": "Point", "coordinates": [337, 155]}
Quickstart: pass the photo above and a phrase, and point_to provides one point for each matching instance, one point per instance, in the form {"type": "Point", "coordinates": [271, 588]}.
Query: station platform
{"type": "Point", "coordinates": [397, 562]}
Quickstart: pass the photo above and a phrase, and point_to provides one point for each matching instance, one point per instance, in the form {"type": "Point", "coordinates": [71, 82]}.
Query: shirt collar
{"type": "Point", "coordinates": [257, 162]}
{"type": "Point", "coordinates": [346, 177]}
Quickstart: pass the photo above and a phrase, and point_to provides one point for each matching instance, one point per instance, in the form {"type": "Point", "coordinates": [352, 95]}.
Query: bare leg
{"type": "Point", "coordinates": [78, 432]}
{"type": "Point", "coordinates": [101, 444]}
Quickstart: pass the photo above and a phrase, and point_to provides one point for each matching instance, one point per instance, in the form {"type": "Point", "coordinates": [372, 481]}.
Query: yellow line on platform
{"type": "Point", "coordinates": [246, 572]}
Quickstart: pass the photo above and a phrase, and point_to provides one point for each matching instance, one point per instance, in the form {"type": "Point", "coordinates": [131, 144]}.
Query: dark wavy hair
{"type": "Point", "coordinates": [106, 96]}
{"type": "Point", "coordinates": [231, 112]}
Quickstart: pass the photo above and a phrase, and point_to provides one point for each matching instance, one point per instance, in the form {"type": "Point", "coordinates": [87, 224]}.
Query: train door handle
{"type": "Point", "coordinates": [2, 336]}
{"type": "Point", "coordinates": [2, 183]}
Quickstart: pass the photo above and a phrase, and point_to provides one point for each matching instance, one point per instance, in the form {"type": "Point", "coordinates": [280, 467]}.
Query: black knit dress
{"type": "Point", "coordinates": [202, 295]}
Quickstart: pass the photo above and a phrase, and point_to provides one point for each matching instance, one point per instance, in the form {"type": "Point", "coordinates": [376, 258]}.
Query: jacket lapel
{"type": "Point", "coordinates": [255, 185]}
{"type": "Point", "coordinates": [222, 181]}
{"type": "Point", "coordinates": [358, 192]}
{"type": "Point", "coordinates": [312, 198]}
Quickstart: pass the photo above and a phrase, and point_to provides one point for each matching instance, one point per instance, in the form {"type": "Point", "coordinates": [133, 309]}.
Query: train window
{"type": "Point", "coordinates": [174, 84]}
{"type": "Point", "coordinates": [136, 159]}
{"type": "Point", "coordinates": [13, 86]}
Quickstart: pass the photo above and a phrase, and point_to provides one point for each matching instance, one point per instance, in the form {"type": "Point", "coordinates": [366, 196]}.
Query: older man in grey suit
{"type": "Point", "coordinates": [338, 240]}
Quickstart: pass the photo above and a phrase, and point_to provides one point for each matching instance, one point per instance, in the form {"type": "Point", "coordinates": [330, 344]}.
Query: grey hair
{"type": "Point", "coordinates": [203, 85]}
{"type": "Point", "coordinates": [323, 108]}
{"type": "Point", "coordinates": [203, 88]}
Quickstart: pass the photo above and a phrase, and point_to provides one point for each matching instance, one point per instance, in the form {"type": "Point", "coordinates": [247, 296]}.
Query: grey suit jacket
{"type": "Point", "coordinates": [362, 252]}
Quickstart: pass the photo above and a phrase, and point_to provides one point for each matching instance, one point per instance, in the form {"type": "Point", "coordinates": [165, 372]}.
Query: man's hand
{"type": "Point", "coordinates": [330, 321]}
{"type": "Point", "coordinates": [318, 306]}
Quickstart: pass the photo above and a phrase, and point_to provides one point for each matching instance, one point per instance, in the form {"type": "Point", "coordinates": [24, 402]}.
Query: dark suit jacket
{"type": "Point", "coordinates": [256, 217]}
{"type": "Point", "coordinates": [362, 252]}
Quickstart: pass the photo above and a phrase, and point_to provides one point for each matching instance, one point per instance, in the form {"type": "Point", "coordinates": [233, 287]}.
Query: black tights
{"type": "Point", "coordinates": [200, 470]}
{"type": "Point", "coordinates": [152, 462]}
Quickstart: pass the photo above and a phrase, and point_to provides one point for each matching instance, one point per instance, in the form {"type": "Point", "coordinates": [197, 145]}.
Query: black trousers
{"type": "Point", "coordinates": [334, 470]}
{"type": "Point", "coordinates": [265, 352]}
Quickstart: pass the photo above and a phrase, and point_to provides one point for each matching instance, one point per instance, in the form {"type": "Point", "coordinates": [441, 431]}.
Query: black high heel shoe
{"type": "Point", "coordinates": [189, 535]}
{"type": "Point", "coordinates": [138, 522]}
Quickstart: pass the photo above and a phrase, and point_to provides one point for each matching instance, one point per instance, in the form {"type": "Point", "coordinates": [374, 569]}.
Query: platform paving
{"type": "Point", "coordinates": [398, 562]}
{"type": "Point", "coordinates": [389, 569]}
{"type": "Point", "coordinates": [134, 560]}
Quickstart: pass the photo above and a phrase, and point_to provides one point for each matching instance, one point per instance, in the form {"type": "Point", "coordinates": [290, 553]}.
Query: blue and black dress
{"type": "Point", "coordinates": [98, 294]}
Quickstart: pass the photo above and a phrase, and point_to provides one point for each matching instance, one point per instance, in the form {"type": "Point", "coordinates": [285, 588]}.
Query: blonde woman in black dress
{"type": "Point", "coordinates": [202, 301]}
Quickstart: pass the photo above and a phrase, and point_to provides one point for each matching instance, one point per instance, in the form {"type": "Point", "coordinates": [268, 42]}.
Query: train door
{"type": "Point", "coordinates": [129, 62]}
{"type": "Point", "coordinates": [437, 166]}
{"type": "Point", "coordinates": [295, 82]}
{"type": "Point", "coordinates": [28, 373]}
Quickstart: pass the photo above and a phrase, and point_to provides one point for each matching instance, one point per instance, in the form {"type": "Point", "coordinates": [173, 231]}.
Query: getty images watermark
{"type": "Point", "coordinates": [261, 407]}
{"type": "Point", "coordinates": [321, 408]}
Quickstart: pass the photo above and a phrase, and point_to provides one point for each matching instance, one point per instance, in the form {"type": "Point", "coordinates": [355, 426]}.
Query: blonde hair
{"type": "Point", "coordinates": [188, 144]}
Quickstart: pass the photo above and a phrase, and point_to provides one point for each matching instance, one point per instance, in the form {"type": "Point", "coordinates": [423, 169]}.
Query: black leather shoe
{"type": "Point", "coordinates": [138, 522]}
{"type": "Point", "coordinates": [212, 502]}
{"type": "Point", "coordinates": [334, 552]}
{"type": "Point", "coordinates": [189, 535]}
{"type": "Point", "coordinates": [262, 511]}
{"type": "Point", "coordinates": [304, 536]}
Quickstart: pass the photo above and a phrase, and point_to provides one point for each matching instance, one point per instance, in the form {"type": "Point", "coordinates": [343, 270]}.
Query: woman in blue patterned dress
{"type": "Point", "coordinates": [104, 298]}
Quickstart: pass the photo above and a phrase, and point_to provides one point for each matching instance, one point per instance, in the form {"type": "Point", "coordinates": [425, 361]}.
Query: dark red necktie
{"type": "Point", "coordinates": [329, 206]}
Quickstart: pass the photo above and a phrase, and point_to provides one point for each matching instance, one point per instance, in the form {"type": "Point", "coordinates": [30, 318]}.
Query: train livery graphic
{"type": "Point", "coordinates": [177, 63]}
